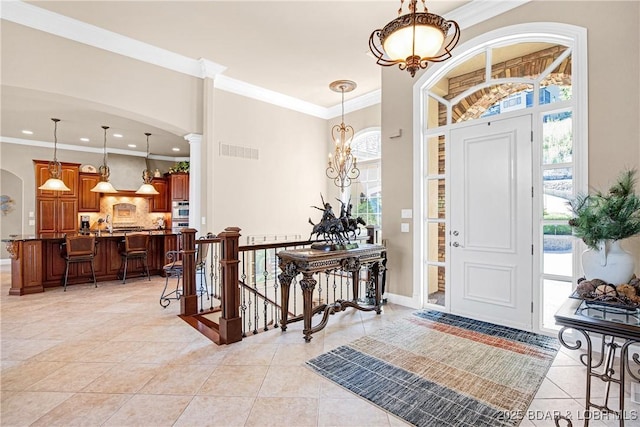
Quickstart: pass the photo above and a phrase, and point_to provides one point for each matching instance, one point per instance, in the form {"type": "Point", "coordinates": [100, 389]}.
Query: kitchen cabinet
{"type": "Point", "coordinates": [88, 201]}
{"type": "Point", "coordinates": [57, 211]}
{"type": "Point", "coordinates": [179, 183]}
{"type": "Point", "coordinates": [56, 215]}
{"type": "Point", "coordinates": [69, 177]}
{"type": "Point", "coordinates": [160, 202]}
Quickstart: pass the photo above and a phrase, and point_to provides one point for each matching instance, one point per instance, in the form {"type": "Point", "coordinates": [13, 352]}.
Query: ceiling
{"type": "Point", "coordinates": [295, 48]}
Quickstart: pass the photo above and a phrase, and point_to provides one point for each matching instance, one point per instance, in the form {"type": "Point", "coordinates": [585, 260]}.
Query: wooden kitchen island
{"type": "Point", "coordinates": [37, 263]}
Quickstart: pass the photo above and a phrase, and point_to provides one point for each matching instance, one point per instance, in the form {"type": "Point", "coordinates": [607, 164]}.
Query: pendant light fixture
{"type": "Point", "coordinates": [104, 186]}
{"type": "Point", "coordinates": [54, 182]}
{"type": "Point", "coordinates": [343, 165]}
{"type": "Point", "coordinates": [414, 39]}
{"type": "Point", "coordinates": [146, 187]}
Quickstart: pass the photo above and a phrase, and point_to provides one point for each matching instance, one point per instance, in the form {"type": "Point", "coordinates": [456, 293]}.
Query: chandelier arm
{"type": "Point", "coordinates": [456, 37]}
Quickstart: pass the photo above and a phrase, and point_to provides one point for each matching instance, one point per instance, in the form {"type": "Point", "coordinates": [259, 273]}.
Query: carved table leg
{"type": "Point", "coordinates": [286, 277]}
{"type": "Point", "coordinates": [375, 272]}
{"type": "Point", "coordinates": [307, 284]}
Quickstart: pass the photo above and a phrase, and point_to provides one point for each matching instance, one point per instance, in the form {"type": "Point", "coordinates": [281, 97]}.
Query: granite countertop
{"type": "Point", "coordinates": [103, 235]}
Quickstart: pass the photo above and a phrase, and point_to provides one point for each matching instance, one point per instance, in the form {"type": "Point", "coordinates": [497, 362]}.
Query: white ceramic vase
{"type": "Point", "coordinates": [610, 263]}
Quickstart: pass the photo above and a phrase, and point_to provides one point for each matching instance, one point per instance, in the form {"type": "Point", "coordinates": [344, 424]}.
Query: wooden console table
{"type": "Point", "coordinates": [618, 329]}
{"type": "Point", "coordinates": [310, 261]}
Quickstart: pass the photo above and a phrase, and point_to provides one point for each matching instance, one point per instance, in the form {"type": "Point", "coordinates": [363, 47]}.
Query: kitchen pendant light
{"type": "Point", "coordinates": [146, 187]}
{"type": "Point", "coordinates": [104, 186]}
{"type": "Point", "coordinates": [54, 182]}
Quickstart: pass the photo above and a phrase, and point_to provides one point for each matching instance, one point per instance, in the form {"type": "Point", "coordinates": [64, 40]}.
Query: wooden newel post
{"type": "Point", "coordinates": [189, 300]}
{"type": "Point", "coordinates": [230, 321]}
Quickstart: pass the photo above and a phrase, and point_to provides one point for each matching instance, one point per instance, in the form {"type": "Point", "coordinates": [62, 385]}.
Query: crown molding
{"type": "Point", "coordinates": [81, 32]}
{"type": "Point", "coordinates": [355, 104]}
{"type": "Point", "coordinates": [69, 147]}
{"type": "Point", "coordinates": [481, 10]}
{"type": "Point", "coordinates": [53, 23]}
{"type": "Point", "coordinates": [238, 87]}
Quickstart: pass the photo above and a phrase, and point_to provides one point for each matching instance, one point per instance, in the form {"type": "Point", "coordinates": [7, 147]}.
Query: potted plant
{"type": "Point", "coordinates": [179, 167]}
{"type": "Point", "coordinates": [602, 220]}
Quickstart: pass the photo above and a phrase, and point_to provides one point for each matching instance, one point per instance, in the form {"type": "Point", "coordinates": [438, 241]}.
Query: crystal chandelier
{"type": "Point", "coordinates": [104, 186]}
{"type": "Point", "coordinates": [54, 182]}
{"type": "Point", "coordinates": [414, 39]}
{"type": "Point", "coordinates": [342, 165]}
{"type": "Point", "coordinates": [146, 187]}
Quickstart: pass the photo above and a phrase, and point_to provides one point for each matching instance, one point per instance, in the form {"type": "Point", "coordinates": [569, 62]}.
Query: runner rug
{"type": "Point", "coordinates": [438, 369]}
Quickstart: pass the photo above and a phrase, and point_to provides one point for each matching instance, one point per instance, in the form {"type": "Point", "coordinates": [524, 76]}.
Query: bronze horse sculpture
{"type": "Point", "coordinates": [337, 230]}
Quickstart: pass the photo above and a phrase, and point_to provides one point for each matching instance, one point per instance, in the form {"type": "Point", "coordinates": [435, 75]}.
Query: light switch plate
{"type": "Point", "coordinates": [406, 213]}
{"type": "Point", "coordinates": [404, 227]}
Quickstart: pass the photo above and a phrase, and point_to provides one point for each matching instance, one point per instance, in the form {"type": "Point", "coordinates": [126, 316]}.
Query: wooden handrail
{"type": "Point", "coordinates": [230, 321]}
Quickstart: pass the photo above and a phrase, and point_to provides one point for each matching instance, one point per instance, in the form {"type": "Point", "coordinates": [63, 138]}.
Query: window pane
{"type": "Point", "coordinates": [435, 155]}
{"type": "Point", "coordinates": [436, 242]}
{"type": "Point", "coordinates": [468, 74]}
{"type": "Point", "coordinates": [555, 293]}
{"type": "Point", "coordinates": [523, 59]}
{"type": "Point", "coordinates": [435, 276]}
{"type": "Point", "coordinates": [557, 85]}
{"type": "Point", "coordinates": [558, 190]}
{"type": "Point", "coordinates": [493, 100]}
{"type": "Point", "coordinates": [367, 146]}
{"type": "Point", "coordinates": [558, 255]}
{"type": "Point", "coordinates": [436, 113]}
{"type": "Point", "coordinates": [435, 198]}
{"type": "Point", "coordinates": [557, 138]}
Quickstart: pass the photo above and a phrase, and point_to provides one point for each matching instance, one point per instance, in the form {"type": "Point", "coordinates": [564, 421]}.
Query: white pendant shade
{"type": "Point", "coordinates": [147, 189]}
{"type": "Point", "coordinates": [104, 187]}
{"type": "Point", "coordinates": [428, 41]}
{"type": "Point", "coordinates": [54, 184]}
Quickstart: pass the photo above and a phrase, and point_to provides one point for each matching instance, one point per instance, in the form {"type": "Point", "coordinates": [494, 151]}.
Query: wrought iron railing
{"type": "Point", "coordinates": [242, 296]}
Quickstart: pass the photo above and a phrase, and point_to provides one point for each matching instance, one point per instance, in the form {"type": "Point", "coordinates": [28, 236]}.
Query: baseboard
{"type": "Point", "coordinates": [401, 300]}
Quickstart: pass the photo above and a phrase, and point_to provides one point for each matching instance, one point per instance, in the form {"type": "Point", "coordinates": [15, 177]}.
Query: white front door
{"type": "Point", "coordinates": [491, 222]}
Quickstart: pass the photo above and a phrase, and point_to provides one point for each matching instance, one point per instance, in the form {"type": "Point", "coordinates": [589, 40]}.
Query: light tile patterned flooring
{"type": "Point", "coordinates": [113, 357]}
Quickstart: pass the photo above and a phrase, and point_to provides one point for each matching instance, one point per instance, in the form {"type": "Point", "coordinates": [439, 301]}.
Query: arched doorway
{"type": "Point", "coordinates": [536, 70]}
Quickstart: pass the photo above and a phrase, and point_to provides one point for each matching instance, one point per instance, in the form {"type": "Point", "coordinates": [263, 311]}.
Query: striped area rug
{"type": "Point", "coordinates": [438, 369]}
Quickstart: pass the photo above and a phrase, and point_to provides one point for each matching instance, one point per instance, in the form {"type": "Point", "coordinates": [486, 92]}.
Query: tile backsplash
{"type": "Point", "coordinates": [127, 211]}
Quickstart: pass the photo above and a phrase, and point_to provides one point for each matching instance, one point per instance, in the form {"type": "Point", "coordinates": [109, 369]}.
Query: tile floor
{"type": "Point", "coordinates": [113, 357]}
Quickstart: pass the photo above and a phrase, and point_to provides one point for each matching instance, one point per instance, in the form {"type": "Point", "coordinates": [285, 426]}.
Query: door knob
{"type": "Point", "coordinates": [455, 232]}
{"type": "Point", "coordinates": [456, 244]}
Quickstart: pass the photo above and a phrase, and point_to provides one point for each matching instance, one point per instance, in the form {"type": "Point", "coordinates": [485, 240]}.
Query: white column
{"type": "Point", "coordinates": [209, 152]}
{"type": "Point", "coordinates": [201, 188]}
{"type": "Point", "coordinates": [195, 178]}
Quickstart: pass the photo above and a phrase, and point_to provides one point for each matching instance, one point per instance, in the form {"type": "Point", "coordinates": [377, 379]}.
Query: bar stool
{"type": "Point", "coordinates": [81, 248]}
{"type": "Point", "coordinates": [135, 247]}
{"type": "Point", "coordinates": [174, 269]}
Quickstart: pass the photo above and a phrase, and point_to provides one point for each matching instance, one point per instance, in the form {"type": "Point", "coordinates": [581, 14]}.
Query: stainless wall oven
{"type": "Point", "coordinates": [179, 215]}
{"type": "Point", "coordinates": [179, 210]}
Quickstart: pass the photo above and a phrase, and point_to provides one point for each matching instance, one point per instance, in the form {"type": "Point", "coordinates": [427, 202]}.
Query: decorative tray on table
{"type": "Point", "coordinates": [614, 301]}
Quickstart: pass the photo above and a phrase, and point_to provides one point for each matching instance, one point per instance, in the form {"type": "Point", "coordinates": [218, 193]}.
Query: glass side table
{"type": "Point", "coordinates": [618, 329]}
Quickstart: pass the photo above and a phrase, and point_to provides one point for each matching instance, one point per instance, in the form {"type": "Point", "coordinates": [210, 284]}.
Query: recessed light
{"type": "Point", "coordinates": [117, 135]}
{"type": "Point", "coordinates": [84, 139]}
{"type": "Point", "coordinates": [131, 145]}
{"type": "Point", "coordinates": [175, 149]}
{"type": "Point", "coordinates": [27, 132]}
